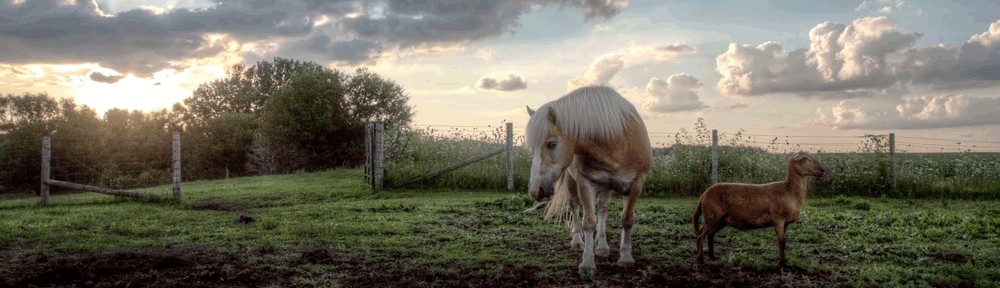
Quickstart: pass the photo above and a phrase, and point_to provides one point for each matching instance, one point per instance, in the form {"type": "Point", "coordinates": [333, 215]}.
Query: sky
{"type": "Point", "coordinates": [782, 67]}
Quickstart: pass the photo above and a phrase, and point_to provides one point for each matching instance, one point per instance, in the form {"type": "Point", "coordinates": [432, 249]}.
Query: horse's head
{"type": "Point", "coordinates": [551, 152]}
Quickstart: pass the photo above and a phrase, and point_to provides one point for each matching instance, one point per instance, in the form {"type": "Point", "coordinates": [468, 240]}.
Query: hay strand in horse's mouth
{"type": "Point", "coordinates": [536, 207]}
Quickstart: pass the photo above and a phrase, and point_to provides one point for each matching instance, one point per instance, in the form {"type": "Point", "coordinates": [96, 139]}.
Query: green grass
{"type": "Point", "coordinates": [685, 167]}
{"type": "Point", "coordinates": [847, 241]}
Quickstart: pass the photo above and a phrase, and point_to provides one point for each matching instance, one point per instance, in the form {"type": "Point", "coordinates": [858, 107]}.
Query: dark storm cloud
{"type": "Point", "coordinates": [142, 41]}
{"type": "Point", "coordinates": [512, 83]}
{"type": "Point", "coordinates": [110, 79]}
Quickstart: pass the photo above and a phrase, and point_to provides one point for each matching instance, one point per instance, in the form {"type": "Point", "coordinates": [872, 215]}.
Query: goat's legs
{"type": "Point", "coordinates": [711, 243]}
{"type": "Point", "coordinates": [602, 224]}
{"type": "Point", "coordinates": [779, 227]}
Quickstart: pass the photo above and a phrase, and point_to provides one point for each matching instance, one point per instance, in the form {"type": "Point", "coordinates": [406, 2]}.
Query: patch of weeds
{"type": "Point", "coordinates": [388, 208]}
{"type": "Point", "coordinates": [513, 203]}
{"type": "Point", "coordinates": [862, 205]}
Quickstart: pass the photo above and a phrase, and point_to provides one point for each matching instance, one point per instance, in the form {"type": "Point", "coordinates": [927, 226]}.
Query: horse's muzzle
{"type": "Point", "coordinates": [541, 195]}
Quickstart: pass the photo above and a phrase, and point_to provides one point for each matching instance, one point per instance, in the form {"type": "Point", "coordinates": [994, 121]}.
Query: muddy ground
{"type": "Point", "coordinates": [206, 268]}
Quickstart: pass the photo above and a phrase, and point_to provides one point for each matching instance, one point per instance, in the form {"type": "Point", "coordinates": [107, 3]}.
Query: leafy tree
{"type": "Point", "coordinates": [373, 97]}
{"type": "Point", "coordinates": [244, 89]}
{"type": "Point", "coordinates": [311, 116]}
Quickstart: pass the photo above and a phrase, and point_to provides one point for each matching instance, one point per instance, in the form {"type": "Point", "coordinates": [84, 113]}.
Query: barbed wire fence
{"type": "Point", "coordinates": [107, 165]}
{"type": "Point", "coordinates": [870, 162]}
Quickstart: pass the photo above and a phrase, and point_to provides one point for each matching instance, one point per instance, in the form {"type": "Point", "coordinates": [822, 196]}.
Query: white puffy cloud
{"type": "Point", "coordinates": [868, 57]}
{"type": "Point", "coordinates": [678, 93]}
{"type": "Point", "coordinates": [512, 83]}
{"type": "Point", "coordinates": [607, 66]}
{"type": "Point", "coordinates": [599, 72]}
{"type": "Point", "coordinates": [939, 111]}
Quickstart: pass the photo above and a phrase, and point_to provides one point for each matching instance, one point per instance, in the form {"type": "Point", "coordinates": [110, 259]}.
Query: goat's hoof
{"type": "Point", "coordinates": [602, 251]}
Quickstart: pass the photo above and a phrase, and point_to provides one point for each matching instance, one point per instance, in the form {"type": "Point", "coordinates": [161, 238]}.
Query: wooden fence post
{"type": "Point", "coordinates": [368, 153]}
{"type": "Point", "coordinates": [715, 156]}
{"type": "Point", "coordinates": [46, 160]}
{"type": "Point", "coordinates": [177, 165]}
{"type": "Point", "coordinates": [892, 161]}
{"type": "Point", "coordinates": [510, 156]}
{"type": "Point", "coordinates": [379, 167]}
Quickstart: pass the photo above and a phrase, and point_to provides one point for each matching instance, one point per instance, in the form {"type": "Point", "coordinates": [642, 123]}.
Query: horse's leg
{"type": "Point", "coordinates": [628, 221]}
{"type": "Point", "coordinates": [602, 223]}
{"type": "Point", "coordinates": [574, 210]}
{"type": "Point", "coordinates": [587, 195]}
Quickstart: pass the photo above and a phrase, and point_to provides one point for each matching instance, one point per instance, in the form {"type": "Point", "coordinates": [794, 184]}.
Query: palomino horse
{"type": "Point", "coordinates": [585, 145]}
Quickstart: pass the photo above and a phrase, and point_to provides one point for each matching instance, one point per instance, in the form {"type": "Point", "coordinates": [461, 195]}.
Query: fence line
{"type": "Point", "coordinates": [46, 180]}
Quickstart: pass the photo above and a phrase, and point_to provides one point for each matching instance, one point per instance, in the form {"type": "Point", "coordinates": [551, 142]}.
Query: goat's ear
{"type": "Point", "coordinates": [552, 116]}
{"type": "Point", "coordinates": [530, 112]}
{"type": "Point", "coordinates": [799, 156]}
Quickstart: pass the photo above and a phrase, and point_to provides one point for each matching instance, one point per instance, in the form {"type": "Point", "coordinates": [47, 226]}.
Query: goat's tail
{"type": "Point", "coordinates": [694, 218]}
{"type": "Point", "coordinates": [558, 207]}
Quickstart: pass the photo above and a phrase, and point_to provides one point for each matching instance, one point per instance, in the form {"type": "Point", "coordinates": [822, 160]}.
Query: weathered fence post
{"type": "Point", "coordinates": [715, 156]}
{"type": "Point", "coordinates": [510, 156]}
{"type": "Point", "coordinates": [46, 159]}
{"type": "Point", "coordinates": [368, 153]}
{"type": "Point", "coordinates": [177, 165]}
{"type": "Point", "coordinates": [379, 168]}
{"type": "Point", "coordinates": [892, 161]}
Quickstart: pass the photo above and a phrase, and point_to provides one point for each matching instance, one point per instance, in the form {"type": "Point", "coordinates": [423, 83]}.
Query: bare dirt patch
{"type": "Point", "coordinates": [204, 268]}
{"type": "Point", "coordinates": [144, 268]}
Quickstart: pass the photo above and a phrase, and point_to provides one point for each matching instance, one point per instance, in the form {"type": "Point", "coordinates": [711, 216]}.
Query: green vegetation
{"type": "Point", "coordinates": [685, 167]}
{"type": "Point", "coordinates": [259, 119]}
{"type": "Point", "coordinates": [440, 236]}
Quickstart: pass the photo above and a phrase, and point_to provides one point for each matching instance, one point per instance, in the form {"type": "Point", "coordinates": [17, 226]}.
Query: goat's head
{"type": "Point", "coordinates": [805, 164]}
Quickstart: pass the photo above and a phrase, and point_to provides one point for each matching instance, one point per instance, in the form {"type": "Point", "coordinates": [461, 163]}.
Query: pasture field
{"type": "Point", "coordinates": [324, 229]}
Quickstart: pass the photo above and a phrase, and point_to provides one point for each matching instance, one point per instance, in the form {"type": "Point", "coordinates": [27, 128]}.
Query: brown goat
{"type": "Point", "coordinates": [755, 206]}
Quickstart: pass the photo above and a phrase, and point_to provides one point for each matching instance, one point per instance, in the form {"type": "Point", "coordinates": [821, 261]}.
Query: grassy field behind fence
{"type": "Point", "coordinates": [685, 167]}
{"type": "Point", "coordinates": [325, 229]}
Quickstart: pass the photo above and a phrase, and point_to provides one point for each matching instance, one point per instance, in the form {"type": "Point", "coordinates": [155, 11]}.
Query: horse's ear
{"type": "Point", "coordinates": [530, 112]}
{"type": "Point", "coordinates": [552, 116]}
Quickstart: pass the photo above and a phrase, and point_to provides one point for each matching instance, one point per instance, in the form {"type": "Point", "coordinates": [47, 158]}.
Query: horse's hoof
{"type": "Point", "coordinates": [626, 262]}
{"type": "Point", "coordinates": [576, 246]}
{"type": "Point", "coordinates": [587, 271]}
{"type": "Point", "coordinates": [602, 251]}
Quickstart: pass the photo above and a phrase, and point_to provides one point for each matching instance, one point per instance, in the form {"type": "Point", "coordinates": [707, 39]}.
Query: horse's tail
{"type": "Point", "coordinates": [694, 218]}
{"type": "Point", "coordinates": [558, 207]}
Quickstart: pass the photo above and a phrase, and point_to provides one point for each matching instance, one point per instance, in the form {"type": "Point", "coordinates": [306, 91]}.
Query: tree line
{"type": "Point", "coordinates": [271, 117]}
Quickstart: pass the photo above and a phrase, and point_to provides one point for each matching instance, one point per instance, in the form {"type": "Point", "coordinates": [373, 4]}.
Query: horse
{"type": "Point", "coordinates": [585, 145]}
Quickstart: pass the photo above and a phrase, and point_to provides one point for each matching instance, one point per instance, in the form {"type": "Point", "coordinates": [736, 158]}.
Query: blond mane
{"type": "Point", "coordinates": [593, 113]}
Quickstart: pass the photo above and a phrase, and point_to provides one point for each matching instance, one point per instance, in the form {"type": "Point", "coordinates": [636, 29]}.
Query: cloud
{"type": "Point", "coordinates": [512, 83]}
{"type": "Point", "coordinates": [607, 66]}
{"type": "Point", "coordinates": [149, 39]}
{"type": "Point", "coordinates": [103, 78]}
{"type": "Point", "coordinates": [599, 72]}
{"type": "Point", "coordinates": [924, 112]}
{"type": "Point", "coordinates": [679, 93]}
{"type": "Point", "coordinates": [885, 7]}
{"type": "Point", "coordinates": [868, 57]}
